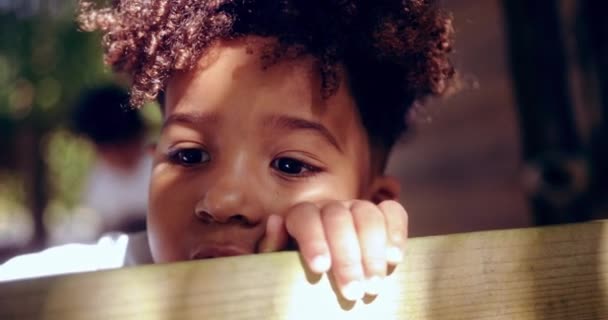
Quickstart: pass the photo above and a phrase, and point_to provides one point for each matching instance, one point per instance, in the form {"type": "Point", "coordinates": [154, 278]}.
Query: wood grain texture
{"type": "Point", "coordinates": [538, 273]}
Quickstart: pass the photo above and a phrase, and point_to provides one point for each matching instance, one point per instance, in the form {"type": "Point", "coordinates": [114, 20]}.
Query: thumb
{"type": "Point", "coordinates": [275, 237]}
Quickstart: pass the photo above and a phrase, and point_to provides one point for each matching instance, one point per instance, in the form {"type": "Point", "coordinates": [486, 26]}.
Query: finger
{"type": "Point", "coordinates": [275, 238]}
{"type": "Point", "coordinates": [371, 231]}
{"type": "Point", "coordinates": [304, 224]}
{"type": "Point", "coordinates": [345, 250]}
{"type": "Point", "coordinates": [396, 227]}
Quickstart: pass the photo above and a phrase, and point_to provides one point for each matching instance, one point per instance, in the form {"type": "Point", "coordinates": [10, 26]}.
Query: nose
{"type": "Point", "coordinates": [209, 218]}
{"type": "Point", "coordinates": [230, 199]}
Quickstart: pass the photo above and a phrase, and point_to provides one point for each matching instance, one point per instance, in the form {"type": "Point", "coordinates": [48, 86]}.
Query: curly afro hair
{"type": "Point", "coordinates": [395, 52]}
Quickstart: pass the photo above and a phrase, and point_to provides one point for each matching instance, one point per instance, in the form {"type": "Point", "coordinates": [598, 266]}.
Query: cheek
{"type": "Point", "coordinates": [168, 218]}
{"type": "Point", "coordinates": [340, 185]}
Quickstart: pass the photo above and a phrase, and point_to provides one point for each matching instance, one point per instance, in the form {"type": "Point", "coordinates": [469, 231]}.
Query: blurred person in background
{"type": "Point", "coordinates": [117, 186]}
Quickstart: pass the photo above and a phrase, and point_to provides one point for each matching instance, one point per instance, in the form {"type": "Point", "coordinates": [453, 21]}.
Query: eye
{"type": "Point", "coordinates": [293, 167]}
{"type": "Point", "coordinates": [189, 157]}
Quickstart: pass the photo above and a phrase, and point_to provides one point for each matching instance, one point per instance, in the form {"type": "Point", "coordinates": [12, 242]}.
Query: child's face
{"type": "Point", "coordinates": [240, 143]}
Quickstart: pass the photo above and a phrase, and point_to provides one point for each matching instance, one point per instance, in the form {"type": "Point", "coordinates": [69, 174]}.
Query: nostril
{"type": "Point", "coordinates": [242, 220]}
{"type": "Point", "coordinates": [239, 219]}
{"type": "Point", "coordinates": [236, 219]}
{"type": "Point", "coordinates": [205, 217]}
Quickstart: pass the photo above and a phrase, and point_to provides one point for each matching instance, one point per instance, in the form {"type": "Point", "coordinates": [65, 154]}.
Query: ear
{"type": "Point", "coordinates": [384, 188]}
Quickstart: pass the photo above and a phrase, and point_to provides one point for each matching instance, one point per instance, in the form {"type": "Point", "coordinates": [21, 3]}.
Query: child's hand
{"type": "Point", "coordinates": [357, 240]}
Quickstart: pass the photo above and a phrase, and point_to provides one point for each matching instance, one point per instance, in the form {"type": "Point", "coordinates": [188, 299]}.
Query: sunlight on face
{"type": "Point", "coordinates": [241, 142]}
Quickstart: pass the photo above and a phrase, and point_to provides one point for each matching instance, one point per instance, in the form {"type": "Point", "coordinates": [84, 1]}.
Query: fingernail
{"type": "Point", "coordinates": [374, 285]}
{"type": "Point", "coordinates": [394, 254]}
{"type": "Point", "coordinates": [320, 264]}
{"type": "Point", "coordinates": [353, 291]}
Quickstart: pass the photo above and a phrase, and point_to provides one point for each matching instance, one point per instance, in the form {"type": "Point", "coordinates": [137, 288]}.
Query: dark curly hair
{"type": "Point", "coordinates": [394, 52]}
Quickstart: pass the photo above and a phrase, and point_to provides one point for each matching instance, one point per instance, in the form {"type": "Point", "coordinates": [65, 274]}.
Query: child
{"type": "Point", "coordinates": [278, 121]}
{"type": "Point", "coordinates": [117, 185]}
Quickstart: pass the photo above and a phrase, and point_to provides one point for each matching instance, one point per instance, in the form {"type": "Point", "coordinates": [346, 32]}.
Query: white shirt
{"type": "Point", "coordinates": [116, 195]}
{"type": "Point", "coordinates": [110, 252]}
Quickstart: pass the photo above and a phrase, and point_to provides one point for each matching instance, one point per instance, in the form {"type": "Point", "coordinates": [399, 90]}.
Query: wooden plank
{"type": "Point", "coordinates": [539, 273]}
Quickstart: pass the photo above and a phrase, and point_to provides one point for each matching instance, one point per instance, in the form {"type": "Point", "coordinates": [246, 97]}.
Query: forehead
{"type": "Point", "coordinates": [232, 80]}
{"type": "Point", "coordinates": [235, 69]}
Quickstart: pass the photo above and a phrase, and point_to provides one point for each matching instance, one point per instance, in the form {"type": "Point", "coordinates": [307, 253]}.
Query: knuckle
{"type": "Point", "coordinates": [364, 208]}
{"type": "Point", "coordinates": [303, 208]}
{"type": "Point", "coordinates": [396, 215]}
{"type": "Point", "coordinates": [301, 217]}
{"type": "Point", "coordinates": [394, 207]}
{"type": "Point", "coordinates": [368, 218]}
{"type": "Point", "coordinates": [391, 205]}
{"type": "Point", "coordinates": [334, 209]}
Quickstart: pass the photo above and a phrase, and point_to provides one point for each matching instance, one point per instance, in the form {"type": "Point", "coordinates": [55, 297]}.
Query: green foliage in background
{"type": "Point", "coordinates": [45, 62]}
{"type": "Point", "coordinates": [69, 160]}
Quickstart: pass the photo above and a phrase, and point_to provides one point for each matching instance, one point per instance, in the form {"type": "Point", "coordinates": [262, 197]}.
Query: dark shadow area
{"type": "Point", "coordinates": [558, 58]}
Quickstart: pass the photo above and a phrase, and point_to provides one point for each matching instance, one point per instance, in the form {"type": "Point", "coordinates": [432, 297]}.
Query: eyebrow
{"type": "Point", "coordinates": [192, 119]}
{"type": "Point", "coordinates": [293, 123]}
{"type": "Point", "coordinates": [276, 121]}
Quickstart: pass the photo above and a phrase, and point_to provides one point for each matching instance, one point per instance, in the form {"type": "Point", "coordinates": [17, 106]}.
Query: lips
{"type": "Point", "coordinates": [211, 251]}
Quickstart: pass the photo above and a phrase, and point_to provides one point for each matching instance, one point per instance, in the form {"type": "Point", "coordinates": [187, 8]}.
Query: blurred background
{"type": "Point", "coordinates": [523, 143]}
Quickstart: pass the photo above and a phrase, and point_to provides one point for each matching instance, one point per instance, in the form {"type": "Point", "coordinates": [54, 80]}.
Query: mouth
{"type": "Point", "coordinates": [211, 251]}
